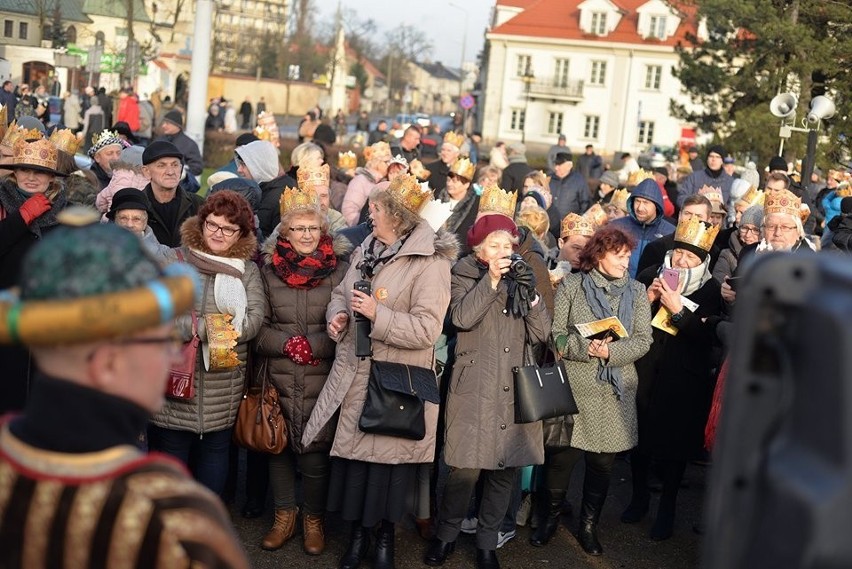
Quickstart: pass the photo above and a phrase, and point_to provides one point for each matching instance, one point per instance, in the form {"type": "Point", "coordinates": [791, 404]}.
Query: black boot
{"type": "Point", "coordinates": [549, 512]}
{"type": "Point", "coordinates": [594, 494]}
{"type": "Point", "coordinates": [359, 543]}
{"type": "Point", "coordinates": [672, 474]}
{"type": "Point", "coordinates": [438, 552]}
{"type": "Point", "coordinates": [384, 547]}
{"type": "Point", "coordinates": [486, 559]}
{"type": "Point", "coordinates": [639, 502]}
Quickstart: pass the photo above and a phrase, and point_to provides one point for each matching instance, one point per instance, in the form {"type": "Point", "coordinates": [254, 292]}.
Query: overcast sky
{"type": "Point", "coordinates": [443, 23]}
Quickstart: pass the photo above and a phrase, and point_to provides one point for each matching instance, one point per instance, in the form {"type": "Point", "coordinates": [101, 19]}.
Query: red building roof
{"type": "Point", "coordinates": [560, 20]}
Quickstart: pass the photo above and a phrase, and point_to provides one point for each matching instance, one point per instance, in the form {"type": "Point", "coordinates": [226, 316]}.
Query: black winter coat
{"type": "Point", "coordinates": [189, 206]}
{"type": "Point", "coordinates": [269, 210]}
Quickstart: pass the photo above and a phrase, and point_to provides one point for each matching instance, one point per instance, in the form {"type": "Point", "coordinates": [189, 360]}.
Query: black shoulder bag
{"type": "Point", "coordinates": [395, 396]}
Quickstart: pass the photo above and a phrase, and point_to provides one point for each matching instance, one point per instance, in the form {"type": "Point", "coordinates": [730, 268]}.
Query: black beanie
{"type": "Point", "coordinates": [718, 149]}
{"type": "Point", "coordinates": [777, 163]}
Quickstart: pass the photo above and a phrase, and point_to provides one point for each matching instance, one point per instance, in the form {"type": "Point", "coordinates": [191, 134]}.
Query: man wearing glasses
{"type": "Point", "coordinates": [162, 164]}
{"type": "Point", "coordinates": [75, 488]}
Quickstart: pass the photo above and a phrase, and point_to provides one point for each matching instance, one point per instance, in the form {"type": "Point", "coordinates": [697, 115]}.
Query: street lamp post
{"type": "Point", "coordinates": [528, 77]}
{"type": "Point", "coordinates": [784, 107]}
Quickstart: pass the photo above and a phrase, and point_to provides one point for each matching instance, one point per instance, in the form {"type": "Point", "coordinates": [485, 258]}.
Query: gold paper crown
{"type": "Point", "coordinates": [495, 200]}
{"type": "Point", "coordinates": [463, 167]}
{"type": "Point", "coordinates": [65, 140]}
{"type": "Point", "coordinates": [455, 139]}
{"type": "Point", "coordinates": [307, 178]}
{"type": "Point", "coordinates": [39, 153]}
{"type": "Point", "coordinates": [697, 233]}
{"type": "Point", "coordinates": [416, 168]}
{"type": "Point", "coordinates": [619, 199]}
{"type": "Point", "coordinates": [753, 197]}
{"type": "Point", "coordinates": [804, 212]}
{"type": "Point", "coordinates": [407, 192]}
{"type": "Point", "coordinates": [377, 150]}
{"type": "Point", "coordinates": [347, 160]}
{"type": "Point", "coordinates": [596, 215]}
{"type": "Point", "coordinates": [262, 133]}
{"type": "Point", "coordinates": [844, 189]}
{"type": "Point", "coordinates": [3, 121]}
{"type": "Point", "coordinates": [837, 175]}
{"type": "Point", "coordinates": [638, 176]}
{"type": "Point", "coordinates": [782, 201]}
{"type": "Point", "coordinates": [573, 224]}
{"type": "Point", "coordinates": [298, 199]}
{"type": "Point", "coordinates": [712, 194]}
{"type": "Point", "coordinates": [15, 133]}
{"type": "Point", "coordinates": [222, 341]}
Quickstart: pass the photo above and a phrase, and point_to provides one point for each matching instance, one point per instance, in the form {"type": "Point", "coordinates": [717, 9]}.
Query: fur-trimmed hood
{"type": "Point", "coordinates": [447, 245]}
{"type": "Point", "coordinates": [340, 244]}
{"type": "Point", "coordinates": [192, 237]}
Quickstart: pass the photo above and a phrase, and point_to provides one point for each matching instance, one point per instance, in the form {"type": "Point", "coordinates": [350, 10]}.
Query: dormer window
{"type": "Point", "coordinates": [657, 27]}
{"type": "Point", "coordinates": [599, 23]}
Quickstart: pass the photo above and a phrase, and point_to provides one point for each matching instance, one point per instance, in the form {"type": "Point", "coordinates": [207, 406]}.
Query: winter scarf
{"type": "Point", "coordinates": [12, 198]}
{"type": "Point", "coordinates": [691, 279]}
{"type": "Point", "coordinates": [304, 272]}
{"type": "Point", "coordinates": [376, 254]}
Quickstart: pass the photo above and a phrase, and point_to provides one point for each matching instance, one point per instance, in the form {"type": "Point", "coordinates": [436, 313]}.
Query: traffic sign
{"type": "Point", "coordinates": [466, 102]}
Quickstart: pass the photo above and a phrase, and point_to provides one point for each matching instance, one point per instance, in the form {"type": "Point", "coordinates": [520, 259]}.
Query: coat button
{"type": "Point", "coordinates": [506, 349]}
{"type": "Point", "coordinates": [503, 427]}
{"type": "Point", "coordinates": [500, 464]}
{"type": "Point", "coordinates": [505, 388]}
{"type": "Point", "coordinates": [505, 311]}
{"type": "Point", "coordinates": [472, 361]}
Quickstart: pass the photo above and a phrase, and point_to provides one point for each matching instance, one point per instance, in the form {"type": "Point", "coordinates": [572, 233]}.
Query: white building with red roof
{"type": "Point", "coordinates": [598, 71]}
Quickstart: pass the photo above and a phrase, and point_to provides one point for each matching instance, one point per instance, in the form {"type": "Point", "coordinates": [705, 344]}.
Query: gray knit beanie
{"type": "Point", "coordinates": [752, 216]}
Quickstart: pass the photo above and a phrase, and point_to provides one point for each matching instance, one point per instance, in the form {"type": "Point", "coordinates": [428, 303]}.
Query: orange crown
{"type": "Point", "coordinates": [303, 198]}
{"type": "Point", "coordinates": [416, 167]}
{"type": "Point", "coordinates": [596, 215]}
{"type": "Point", "coordinates": [573, 224]}
{"type": "Point", "coordinates": [463, 167]}
{"type": "Point", "coordinates": [638, 176]}
{"type": "Point", "coordinates": [783, 201]}
{"type": "Point", "coordinates": [454, 138]}
{"type": "Point", "coordinates": [495, 200]}
{"type": "Point", "coordinates": [619, 199]}
{"type": "Point", "coordinates": [696, 232]}
{"type": "Point", "coordinates": [15, 133]}
{"type": "Point", "coordinates": [407, 192]}
{"type": "Point", "coordinates": [65, 140]}
{"type": "Point", "coordinates": [307, 178]}
{"type": "Point", "coordinates": [347, 160]}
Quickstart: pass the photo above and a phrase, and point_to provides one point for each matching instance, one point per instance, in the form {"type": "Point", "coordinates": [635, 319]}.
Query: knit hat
{"type": "Point", "coordinates": [536, 195]}
{"type": "Point", "coordinates": [128, 198]}
{"type": "Point", "coordinates": [739, 189]}
{"type": "Point", "coordinates": [245, 138]}
{"type": "Point", "coordinates": [716, 149]}
{"type": "Point", "coordinates": [752, 216]}
{"type": "Point", "coordinates": [517, 149]}
{"type": "Point", "coordinates": [488, 224]}
{"type": "Point", "coordinates": [132, 155]}
{"type": "Point", "coordinates": [611, 178]}
{"type": "Point", "coordinates": [562, 158]}
{"type": "Point", "coordinates": [175, 117]}
{"type": "Point", "coordinates": [219, 176]}
{"type": "Point", "coordinates": [261, 159]}
{"type": "Point", "coordinates": [123, 129]}
{"type": "Point", "coordinates": [108, 286]}
{"type": "Point", "coordinates": [750, 174]}
{"type": "Point", "coordinates": [246, 188]}
{"type": "Point", "coordinates": [778, 163]}
{"type": "Point", "coordinates": [160, 149]}
{"type": "Point", "coordinates": [104, 139]}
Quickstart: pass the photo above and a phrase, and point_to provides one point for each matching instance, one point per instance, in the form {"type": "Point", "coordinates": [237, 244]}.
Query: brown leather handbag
{"type": "Point", "coordinates": [260, 423]}
{"type": "Point", "coordinates": [181, 383]}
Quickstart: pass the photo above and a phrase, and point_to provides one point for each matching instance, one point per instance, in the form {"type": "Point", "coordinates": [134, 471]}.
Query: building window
{"type": "Point", "coordinates": [657, 28]}
{"type": "Point", "coordinates": [598, 76]}
{"type": "Point", "coordinates": [524, 65]}
{"type": "Point", "coordinates": [590, 130]}
{"type": "Point", "coordinates": [653, 74]}
{"type": "Point", "coordinates": [560, 73]}
{"type": "Point", "coordinates": [519, 117]}
{"type": "Point", "coordinates": [23, 30]}
{"type": "Point", "coordinates": [554, 123]}
{"type": "Point", "coordinates": [71, 34]}
{"type": "Point", "coordinates": [646, 132]}
{"type": "Point", "coordinates": [8, 28]}
{"type": "Point", "coordinates": [599, 23]}
{"type": "Point", "coordinates": [100, 38]}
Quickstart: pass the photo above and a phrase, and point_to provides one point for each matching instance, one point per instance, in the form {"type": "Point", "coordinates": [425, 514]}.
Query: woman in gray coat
{"type": "Point", "coordinates": [602, 376]}
{"type": "Point", "coordinates": [482, 440]}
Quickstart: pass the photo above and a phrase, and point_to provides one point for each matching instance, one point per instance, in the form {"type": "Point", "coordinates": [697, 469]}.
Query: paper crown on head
{"type": "Point", "coordinates": [15, 133]}
{"type": "Point", "coordinates": [302, 198]}
{"type": "Point", "coordinates": [463, 167]}
{"type": "Point", "coordinates": [409, 193]}
{"type": "Point", "coordinates": [711, 193]}
{"type": "Point", "coordinates": [619, 199]}
{"type": "Point", "coordinates": [310, 177]}
{"type": "Point", "coordinates": [102, 140]}
{"type": "Point", "coordinates": [597, 215]}
{"type": "Point", "coordinates": [696, 233]}
{"type": "Point", "coordinates": [638, 176]}
{"type": "Point", "coordinates": [753, 196]}
{"type": "Point", "coordinates": [496, 200]}
{"type": "Point", "coordinates": [347, 160]}
{"type": "Point", "coordinates": [838, 175]}
{"type": "Point", "coordinates": [454, 138]}
{"type": "Point", "coordinates": [804, 212]}
{"type": "Point", "coordinates": [65, 140]}
{"type": "Point", "coordinates": [380, 149]}
{"type": "Point", "coordinates": [574, 224]}
{"type": "Point", "coordinates": [417, 169]}
{"type": "Point", "coordinates": [844, 189]}
{"type": "Point", "coordinates": [38, 155]}
{"type": "Point", "coordinates": [782, 201]}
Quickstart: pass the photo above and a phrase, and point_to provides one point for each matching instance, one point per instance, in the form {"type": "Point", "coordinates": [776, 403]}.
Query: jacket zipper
{"type": "Point", "coordinates": [198, 376]}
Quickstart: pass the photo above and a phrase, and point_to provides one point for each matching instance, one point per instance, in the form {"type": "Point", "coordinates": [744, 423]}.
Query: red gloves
{"type": "Point", "coordinates": [299, 350]}
{"type": "Point", "coordinates": [35, 207]}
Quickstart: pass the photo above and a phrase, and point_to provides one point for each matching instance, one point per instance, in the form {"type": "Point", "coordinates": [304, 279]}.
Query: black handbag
{"type": "Point", "coordinates": [395, 396]}
{"type": "Point", "coordinates": [542, 392]}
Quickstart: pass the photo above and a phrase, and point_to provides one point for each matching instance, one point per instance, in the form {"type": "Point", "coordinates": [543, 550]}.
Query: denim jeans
{"type": "Point", "coordinates": [206, 455]}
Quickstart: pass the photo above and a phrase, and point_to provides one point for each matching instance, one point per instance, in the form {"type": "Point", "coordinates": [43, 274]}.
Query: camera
{"type": "Point", "coordinates": [518, 266]}
{"type": "Point", "coordinates": [363, 326]}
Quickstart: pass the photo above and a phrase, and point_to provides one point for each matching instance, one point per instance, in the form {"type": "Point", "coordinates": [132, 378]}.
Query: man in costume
{"type": "Point", "coordinates": [75, 489]}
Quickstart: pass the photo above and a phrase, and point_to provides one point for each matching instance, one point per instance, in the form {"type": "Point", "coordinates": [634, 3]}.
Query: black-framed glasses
{"type": "Point", "coordinates": [226, 231]}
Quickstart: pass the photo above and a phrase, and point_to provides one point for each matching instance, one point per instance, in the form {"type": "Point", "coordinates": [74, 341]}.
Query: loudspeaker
{"type": "Point", "coordinates": [780, 490]}
{"type": "Point", "coordinates": [821, 108]}
{"type": "Point", "coordinates": [783, 105]}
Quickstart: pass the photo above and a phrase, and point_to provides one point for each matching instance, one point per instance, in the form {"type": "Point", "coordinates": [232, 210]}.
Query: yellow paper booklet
{"type": "Point", "coordinates": [663, 319]}
{"type": "Point", "coordinates": [598, 329]}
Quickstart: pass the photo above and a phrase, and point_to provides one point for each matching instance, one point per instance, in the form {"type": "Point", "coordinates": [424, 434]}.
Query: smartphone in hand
{"type": "Point", "coordinates": [671, 278]}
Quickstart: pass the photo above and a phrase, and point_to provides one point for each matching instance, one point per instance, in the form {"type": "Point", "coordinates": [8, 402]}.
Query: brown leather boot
{"type": "Point", "coordinates": [313, 534]}
{"type": "Point", "coordinates": [282, 529]}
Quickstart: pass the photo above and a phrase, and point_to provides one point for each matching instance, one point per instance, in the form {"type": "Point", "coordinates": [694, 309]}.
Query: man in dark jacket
{"type": "Point", "coordinates": [568, 187]}
{"type": "Point", "coordinates": [245, 112]}
{"type": "Point", "coordinates": [172, 131]}
{"type": "Point", "coordinates": [450, 150]}
{"type": "Point", "coordinates": [162, 163]}
{"type": "Point", "coordinates": [409, 145]}
{"type": "Point", "coordinates": [713, 174]}
{"type": "Point", "coordinates": [8, 100]}
{"type": "Point", "coordinates": [517, 170]}
{"type": "Point", "coordinates": [645, 221]}
{"type": "Point", "coordinates": [590, 164]}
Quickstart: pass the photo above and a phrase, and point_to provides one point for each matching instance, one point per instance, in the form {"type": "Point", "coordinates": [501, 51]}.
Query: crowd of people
{"type": "Point", "coordinates": [311, 278]}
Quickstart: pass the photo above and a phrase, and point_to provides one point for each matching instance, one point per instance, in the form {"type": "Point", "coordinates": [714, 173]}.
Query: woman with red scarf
{"type": "Point", "coordinates": [294, 351]}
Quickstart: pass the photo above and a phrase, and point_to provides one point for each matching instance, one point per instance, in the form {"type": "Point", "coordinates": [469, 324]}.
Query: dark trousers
{"type": "Point", "coordinates": [496, 493]}
{"type": "Point", "coordinates": [209, 464]}
{"type": "Point", "coordinates": [558, 466]}
{"type": "Point", "coordinates": [314, 467]}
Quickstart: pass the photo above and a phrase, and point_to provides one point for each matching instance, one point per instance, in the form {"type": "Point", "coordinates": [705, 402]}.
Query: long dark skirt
{"type": "Point", "coordinates": [370, 492]}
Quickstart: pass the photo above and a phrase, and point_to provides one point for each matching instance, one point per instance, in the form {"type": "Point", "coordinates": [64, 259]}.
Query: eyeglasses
{"type": "Point", "coordinates": [306, 229]}
{"type": "Point", "coordinates": [746, 230]}
{"type": "Point", "coordinates": [226, 231]}
{"type": "Point", "coordinates": [134, 219]}
{"type": "Point", "coordinates": [779, 228]}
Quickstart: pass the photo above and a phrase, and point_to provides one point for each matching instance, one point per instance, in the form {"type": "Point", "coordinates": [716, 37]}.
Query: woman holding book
{"type": "Point", "coordinates": [676, 376]}
{"type": "Point", "coordinates": [602, 377]}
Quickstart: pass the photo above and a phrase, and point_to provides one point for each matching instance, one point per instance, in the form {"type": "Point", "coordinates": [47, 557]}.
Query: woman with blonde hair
{"type": "Point", "coordinates": [378, 157]}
